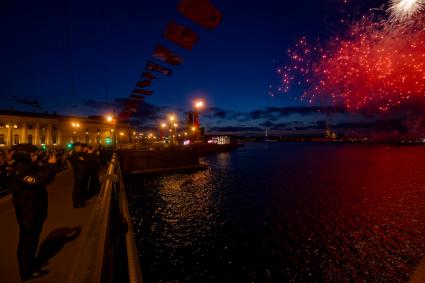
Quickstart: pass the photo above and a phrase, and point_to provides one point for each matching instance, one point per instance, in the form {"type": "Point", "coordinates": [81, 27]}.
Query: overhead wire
{"type": "Point", "coordinates": [67, 24]}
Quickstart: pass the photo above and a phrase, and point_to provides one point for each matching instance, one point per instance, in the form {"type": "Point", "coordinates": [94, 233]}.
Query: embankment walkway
{"type": "Point", "coordinates": [61, 238]}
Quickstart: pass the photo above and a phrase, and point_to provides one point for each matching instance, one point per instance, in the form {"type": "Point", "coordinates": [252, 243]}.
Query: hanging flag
{"type": "Point", "coordinates": [143, 83]}
{"type": "Point", "coordinates": [130, 109]}
{"type": "Point", "coordinates": [151, 66]}
{"type": "Point", "coordinates": [137, 97]}
{"type": "Point", "coordinates": [142, 91]}
{"type": "Point", "coordinates": [131, 105]}
{"type": "Point", "coordinates": [124, 115]}
{"type": "Point", "coordinates": [181, 35]}
{"type": "Point", "coordinates": [148, 75]}
{"type": "Point", "coordinates": [201, 12]}
{"type": "Point", "coordinates": [164, 54]}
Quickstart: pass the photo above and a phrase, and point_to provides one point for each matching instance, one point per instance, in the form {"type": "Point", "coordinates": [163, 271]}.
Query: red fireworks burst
{"type": "Point", "coordinates": [376, 64]}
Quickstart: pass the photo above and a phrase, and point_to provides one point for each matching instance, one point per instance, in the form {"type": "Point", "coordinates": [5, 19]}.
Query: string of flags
{"type": "Point", "coordinates": [201, 12]}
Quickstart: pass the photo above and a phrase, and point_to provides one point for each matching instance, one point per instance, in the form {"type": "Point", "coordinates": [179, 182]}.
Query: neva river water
{"type": "Point", "coordinates": [286, 212]}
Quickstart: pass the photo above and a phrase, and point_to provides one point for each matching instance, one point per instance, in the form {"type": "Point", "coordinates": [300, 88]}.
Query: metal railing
{"type": "Point", "coordinates": [108, 252]}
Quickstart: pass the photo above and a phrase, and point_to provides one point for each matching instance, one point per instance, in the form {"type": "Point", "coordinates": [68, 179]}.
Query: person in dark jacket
{"type": "Point", "coordinates": [81, 166]}
{"type": "Point", "coordinates": [3, 172]}
{"type": "Point", "coordinates": [28, 181]}
{"type": "Point", "coordinates": [94, 185]}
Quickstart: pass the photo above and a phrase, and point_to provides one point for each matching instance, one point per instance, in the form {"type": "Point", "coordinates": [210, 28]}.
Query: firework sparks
{"type": "Point", "coordinates": [402, 10]}
{"type": "Point", "coordinates": [375, 64]}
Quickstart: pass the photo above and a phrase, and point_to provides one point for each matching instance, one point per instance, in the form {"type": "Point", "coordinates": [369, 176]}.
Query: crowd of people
{"type": "Point", "coordinates": [26, 172]}
{"type": "Point", "coordinates": [6, 160]}
{"type": "Point", "coordinates": [85, 163]}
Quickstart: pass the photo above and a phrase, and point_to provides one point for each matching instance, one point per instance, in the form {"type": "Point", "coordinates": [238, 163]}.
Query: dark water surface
{"type": "Point", "coordinates": [286, 212]}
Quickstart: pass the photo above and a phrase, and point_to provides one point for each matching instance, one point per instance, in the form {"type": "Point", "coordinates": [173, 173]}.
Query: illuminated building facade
{"type": "Point", "coordinates": [54, 130]}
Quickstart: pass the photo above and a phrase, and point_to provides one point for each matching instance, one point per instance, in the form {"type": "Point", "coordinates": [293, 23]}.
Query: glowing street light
{"type": "Point", "coordinates": [111, 119]}
{"type": "Point", "coordinates": [161, 130]}
{"type": "Point", "coordinates": [199, 104]}
{"type": "Point", "coordinates": [76, 126]}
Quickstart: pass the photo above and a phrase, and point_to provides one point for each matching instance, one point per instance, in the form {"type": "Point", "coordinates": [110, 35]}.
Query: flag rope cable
{"type": "Point", "coordinates": [67, 23]}
{"type": "Point", "coordinates": [105, 55]}
{"type": "Point", "coordinates": [30, 45]}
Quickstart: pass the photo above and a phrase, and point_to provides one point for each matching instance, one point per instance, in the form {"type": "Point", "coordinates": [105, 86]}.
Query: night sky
{"type": "Point", "coordinates": [110, 42]}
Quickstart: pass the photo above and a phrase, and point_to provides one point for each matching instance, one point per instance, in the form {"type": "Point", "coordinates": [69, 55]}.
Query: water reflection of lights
{"type": "Point", "coordinates": [224, 159]}
{"type": "Point", "coordinates": [186, 209]}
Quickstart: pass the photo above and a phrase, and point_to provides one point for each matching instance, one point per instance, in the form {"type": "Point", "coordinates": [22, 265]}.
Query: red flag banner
{"type": "Point", "coordinates": [142, 91]}
{"type": "Point", "coordinates": [137, 97]}
{"type": "Point", "coordinates": [130, 109]}
{"type": "Point", "coordinates": [151, 66]}
{"type": "Point", "coordinates": [124, 115]}
{"type": "Point", "coordinates": [148, 75]}
{"type": "Point", "coordinates": [131, 105]}
{"type": "Point", "coordinates": [181, 35]}
{"type": "Point", "coordinates": [164, 54]}
{"type": "Point", "coordinates": [201, 12]}
{"type": "Point", "coordinates": [143, 83]}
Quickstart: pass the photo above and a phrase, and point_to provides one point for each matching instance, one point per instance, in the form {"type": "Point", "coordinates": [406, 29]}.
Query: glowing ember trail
{"type": "Point", "coordinates": [377, 65]}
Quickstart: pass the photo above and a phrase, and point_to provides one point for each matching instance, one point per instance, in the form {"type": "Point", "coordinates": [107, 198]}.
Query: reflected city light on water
{"type": "Point", "coordinates": [272, 213]}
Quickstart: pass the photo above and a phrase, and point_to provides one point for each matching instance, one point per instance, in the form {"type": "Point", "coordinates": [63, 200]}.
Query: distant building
{"type": "Point", "coordinates": [330, 134]}
{"type": "Point", "coordinates": [220, 140]}
{"type": "Point", "coordinates": [57, 130]}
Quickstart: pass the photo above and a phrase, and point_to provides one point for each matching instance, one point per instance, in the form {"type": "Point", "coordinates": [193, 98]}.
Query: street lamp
{"type": "Point", "coordinates": [9, 139]}
{"type": "Point", "coordinates": [111, 119]}
{"type": "Point", "coordinates": [175, 129]}
{"type": "Point", "coordinates": [198, 104]}
{"type": "Point", "coordinates": [76, 126]}
{"type": "Point", "coordinates": [173, 120]}
{"type": "Point", "coordinates": [161, 130]}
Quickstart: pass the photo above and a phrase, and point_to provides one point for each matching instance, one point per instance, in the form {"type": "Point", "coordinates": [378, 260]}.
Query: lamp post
{"type": "Point", "coordinates": [175, 130]}
{"type": "Point", "coordinates": [172, 119]}
{"type": "Point", "coordinates": [76, 127]}
{"type": "Point", "coordinates": [10, 127]}
{"type": "Point", "coordinates": [198, 105]}
{"type": "Point", "coordinates": [161, 131]}
{"type": "Point", "coordinates": [111, 120]}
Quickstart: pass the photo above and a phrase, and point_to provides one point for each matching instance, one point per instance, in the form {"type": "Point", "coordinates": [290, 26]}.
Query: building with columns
{"type": "Point", "coordinates": [52, 130]}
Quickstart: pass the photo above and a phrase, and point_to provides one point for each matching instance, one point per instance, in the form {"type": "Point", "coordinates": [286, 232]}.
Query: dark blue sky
{"type": "Point", "coordinates": [111, 41]}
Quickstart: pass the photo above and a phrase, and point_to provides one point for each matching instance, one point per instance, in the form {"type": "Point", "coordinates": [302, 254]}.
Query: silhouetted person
{"type": "Point", "coordinates": [81, 165]}
{"type": "Point", "coordinates": [94, 185]}
{"type": "Point", "coordinates": [3, 171]}
{"type": "Point", "coordinates": [28, 181]}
